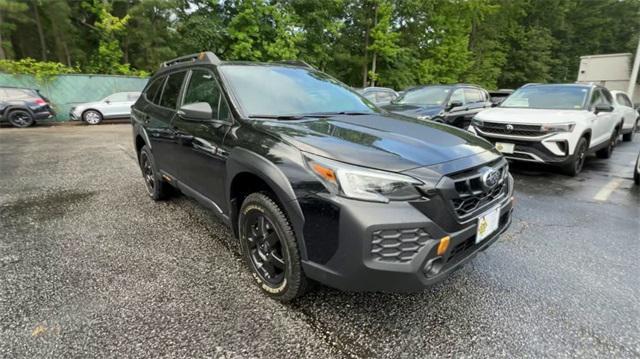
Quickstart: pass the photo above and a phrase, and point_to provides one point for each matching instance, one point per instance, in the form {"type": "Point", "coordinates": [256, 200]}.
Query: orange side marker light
{"type": "Point", "coordinates": [444, 244]}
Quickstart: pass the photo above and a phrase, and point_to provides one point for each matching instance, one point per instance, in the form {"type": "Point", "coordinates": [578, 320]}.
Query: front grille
{"type": "Point", "coordinates": [518, 130]}
{"type": "Point", "coordinates": [398, 245]}
{"type": "Point", "coordinates": [471, 195]}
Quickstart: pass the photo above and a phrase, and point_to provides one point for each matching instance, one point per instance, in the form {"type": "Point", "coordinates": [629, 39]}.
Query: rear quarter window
{"type": "Point", "coordinates": [153, 91]}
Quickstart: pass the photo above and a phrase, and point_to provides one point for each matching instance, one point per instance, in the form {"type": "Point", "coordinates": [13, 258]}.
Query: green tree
{"type": "Point", "coordinates": [11, 13]}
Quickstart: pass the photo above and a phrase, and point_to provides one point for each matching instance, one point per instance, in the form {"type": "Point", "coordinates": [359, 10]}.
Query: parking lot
{"type": "Point", "coordinates": [90, 266]}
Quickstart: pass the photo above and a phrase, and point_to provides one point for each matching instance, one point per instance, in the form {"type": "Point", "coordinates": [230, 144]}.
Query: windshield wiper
{"type": "Point", "coordinates": [279, 117]}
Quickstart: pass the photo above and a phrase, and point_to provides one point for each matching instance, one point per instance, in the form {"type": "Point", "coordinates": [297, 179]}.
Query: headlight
{"type": "Point", "coordinates": [363, 184]}
{"type": "Point", "coordinates": [558, 127]}
{"type": "Point", "coordinates": [477, 123]}
{"type": "Point", "coordinates": [424, 117]}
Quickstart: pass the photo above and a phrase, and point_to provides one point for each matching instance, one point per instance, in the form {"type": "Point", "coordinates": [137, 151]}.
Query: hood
{"type": "Point", "coordinates": [530, 115]}
{"type": "Point", "coordinates": [414, 110]}
{"type": "Point", "coordinates": [381, 141]}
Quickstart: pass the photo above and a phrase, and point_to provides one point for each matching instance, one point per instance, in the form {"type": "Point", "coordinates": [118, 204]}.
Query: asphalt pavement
{"type": "Point", "coordinates": [91, 267]}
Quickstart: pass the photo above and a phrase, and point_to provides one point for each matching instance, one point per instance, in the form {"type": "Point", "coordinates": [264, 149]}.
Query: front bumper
{"type": "Point", "coordinates": [365, 230]}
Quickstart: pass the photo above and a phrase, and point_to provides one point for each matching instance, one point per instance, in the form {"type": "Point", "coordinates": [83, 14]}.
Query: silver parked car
{"type": "Point", "coordinates": [117, 105]}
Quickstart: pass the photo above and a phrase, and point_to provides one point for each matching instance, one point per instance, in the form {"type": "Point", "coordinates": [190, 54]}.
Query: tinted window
{"type": "Point", "coordinates": [426, 96]}
{"type": "Point", "coordinates": [623, 100]}
{"type": "Point", "coordinates": [283, 90]}
{"type": "Point", "coordinates": [153, 91]}
{"type": "Point", "coordinates": [172, 90]}
{"type": "Point", "coordinates": [473, 96]}
{"type": "Point", "coordinates": [559, 97]}
{"type": "Point", "coordinates": [458, 96]}
{"type": "Point", "coordinates": [118, 97]}
{"type": "Point", "coordinates": [202, 88]}
{"type": "Point", "coordinates": [19, 94]}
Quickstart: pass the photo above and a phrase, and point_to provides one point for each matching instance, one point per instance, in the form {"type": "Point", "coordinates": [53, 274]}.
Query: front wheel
{"type": "Point", "coordinates": [92, 117]}
{"type": "Point", "coordinates": [20, 118]}
{"type": "Point", "coordinates": [579, 157]}
{"type": "Point", "coordinates": [270, 248]}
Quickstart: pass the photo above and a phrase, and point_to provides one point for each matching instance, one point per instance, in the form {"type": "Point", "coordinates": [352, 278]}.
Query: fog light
{"type": "Point", "coordinates": [444, 244]}
{"type": "Point", "coordinates": [433, 266]}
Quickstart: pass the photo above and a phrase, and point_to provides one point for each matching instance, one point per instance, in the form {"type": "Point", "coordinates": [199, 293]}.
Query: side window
{"type": "Point", "coordinates": [608, 99]}
{"type": "Point", "coordinates": [153, 91]}
{"type": "Point", "coordinates": [203, 87]}
{"type": "Point", "coordinates": [171, 90]}
{"type": "Point", "coordinates": [623, 100]}
{"type": "Point", "coordinates": [384, 97]}
{"type": "Point", "coordinates": [473, 96]}
{"type": "Point", "coordinates": [457, 95]}
{"type": "Point", "coordinates": [596, 98]}
{"type": "Point", "coordinates": [117, 97]}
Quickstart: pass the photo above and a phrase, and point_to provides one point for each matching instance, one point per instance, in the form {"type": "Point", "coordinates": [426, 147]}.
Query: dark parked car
{"type": "Point", "coordinates": [315, 182]}
{"type": "Point", "coordinates": [380, 96]}
{"type": "Point", "coordinates": [22, 107]}
{"type": "Point", "coordinates": [451, 104]}
{"type": "Point", "coordinates": [498, 96]}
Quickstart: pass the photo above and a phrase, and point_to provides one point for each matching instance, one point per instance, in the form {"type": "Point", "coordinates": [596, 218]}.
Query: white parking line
{"type": "Point", "coordinates": [606, 191]}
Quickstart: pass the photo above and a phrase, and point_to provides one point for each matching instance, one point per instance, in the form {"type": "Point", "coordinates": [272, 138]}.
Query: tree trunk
{"type": "Point", "coordinates": [3, 56]}
{"type": "Point", "coordinates": [36, 15]}
{"type": "Point", "coordinates": [375, 54]}
{"type": "Point", "coordinates": [365, 67]}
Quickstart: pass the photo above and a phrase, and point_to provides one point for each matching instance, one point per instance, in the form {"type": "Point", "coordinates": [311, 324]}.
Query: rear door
{"type": "Point", "coordinates": [159, 114]}
{"type": "Point", "coordinates": [200, 143]}
{"type": "Point", "coordinates": [626, 108]}
{"type": "Point", "coordinates": [117, 105]}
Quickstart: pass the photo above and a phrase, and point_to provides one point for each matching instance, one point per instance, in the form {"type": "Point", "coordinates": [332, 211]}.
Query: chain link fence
{"type": "Point", "coordinates": [65, 91]}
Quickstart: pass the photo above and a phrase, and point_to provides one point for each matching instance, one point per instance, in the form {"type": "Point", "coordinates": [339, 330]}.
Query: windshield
{"type": "Point", "coordinates": [548, 97]}
{"type": "Point", "coordinates": [425, 96]}
{"type": "Point", "coordinates": [282, 91]}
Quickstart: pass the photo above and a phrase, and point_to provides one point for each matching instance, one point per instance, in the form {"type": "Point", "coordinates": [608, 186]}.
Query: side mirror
{"type": "Point", "coordinates": [454, 104]}
{"type": "Point", "coordinates": [197, 111]}
{"type": "Point", "coordinates": [603, 108]}
{"type": "Point", "coordinates": [107, 101]}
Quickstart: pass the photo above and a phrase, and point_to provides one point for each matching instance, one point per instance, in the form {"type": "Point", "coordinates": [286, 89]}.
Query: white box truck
{"type": "Point", "coordinates": [610, 70]}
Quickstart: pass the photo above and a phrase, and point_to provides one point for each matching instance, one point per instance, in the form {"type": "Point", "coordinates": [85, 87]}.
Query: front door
{"type": "Point", "coordinates": [200, 146]}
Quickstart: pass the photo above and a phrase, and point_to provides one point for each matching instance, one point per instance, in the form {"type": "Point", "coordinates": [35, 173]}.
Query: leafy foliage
{"type": "Point", "coordinates": [42, 71]}
{"type": "Point", "coordinates": [494, 43]}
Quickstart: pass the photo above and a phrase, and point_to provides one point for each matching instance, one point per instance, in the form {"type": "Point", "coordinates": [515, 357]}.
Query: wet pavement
{"type": "Point", "coordinates": [89, 266]}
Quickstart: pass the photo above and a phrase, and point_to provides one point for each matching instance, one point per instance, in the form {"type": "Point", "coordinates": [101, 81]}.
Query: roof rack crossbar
{"type": "Point", "coordinates": [204, 57]}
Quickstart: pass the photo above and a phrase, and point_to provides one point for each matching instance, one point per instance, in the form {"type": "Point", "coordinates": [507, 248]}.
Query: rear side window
{"type": "Point", "coordinates": [623, 100]}
{"type": "Point", "coordinates": [172, 90]}
{"type": "Point", "coordinates": [153, 91]}
{"type": "Point", "coordinates": [19, 94]}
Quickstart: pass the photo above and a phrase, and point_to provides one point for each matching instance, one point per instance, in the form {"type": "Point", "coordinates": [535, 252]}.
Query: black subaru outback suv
{"type": "Point", "coordinates": [316, 182]}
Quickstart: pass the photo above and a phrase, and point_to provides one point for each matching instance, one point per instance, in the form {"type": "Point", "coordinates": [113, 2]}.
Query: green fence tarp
{"type": "Point", "coordinates": [65, 91]}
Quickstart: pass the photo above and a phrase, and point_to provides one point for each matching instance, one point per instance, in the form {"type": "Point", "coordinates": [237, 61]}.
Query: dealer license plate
{"type": "Point", "coordinates": [487, 224]}
{"type": "Point", "coordinates": [505, 147]}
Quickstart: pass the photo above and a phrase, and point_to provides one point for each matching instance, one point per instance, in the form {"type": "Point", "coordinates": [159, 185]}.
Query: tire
{"type": "Point", "coordinates": [92, 117]}
{"type": "Point", "coordinates": [20, 118]}
{"type": "Point", "coordinates": [607, 151]}
{"type": "Point", "coordinates": [636, 172]}
{"type": "Point", "coordinates": [270, 248]}
{"type": "Point", "coordinates": [156, 187]}
{"type": "Point", "coordinates": [579, 156]}
{"type": "Point", "coordinates": [628, 137]}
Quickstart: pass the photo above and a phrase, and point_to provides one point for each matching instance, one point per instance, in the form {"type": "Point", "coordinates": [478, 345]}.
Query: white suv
{"type": "Point", "coordinates": [624, 107]}
{"type": "Point", "coordinates": [556, 124]}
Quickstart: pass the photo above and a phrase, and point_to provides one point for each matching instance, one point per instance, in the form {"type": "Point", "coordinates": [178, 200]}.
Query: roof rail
{"type": "Point", "coordinates": [206, 57]}
{"type": "Point", "coordinates": [295, 63]}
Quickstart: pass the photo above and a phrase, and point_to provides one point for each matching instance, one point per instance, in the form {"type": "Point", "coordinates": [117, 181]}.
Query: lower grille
{"type": "Point", "coordinates": [398, 245]}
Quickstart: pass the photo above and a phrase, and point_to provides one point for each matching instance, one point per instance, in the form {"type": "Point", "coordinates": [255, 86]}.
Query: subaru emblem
{"type": "Point", "coordinates": [509, 128]}
{"type": "Point", "coordinates": [490, 178]}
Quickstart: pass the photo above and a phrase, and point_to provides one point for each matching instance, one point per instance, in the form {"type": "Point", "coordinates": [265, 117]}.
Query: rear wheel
{"type": "Point", "coordinates": [636, 172]}
{"type": "Point", "coordinates": [92, 117]}
{"type": "Point", "coordinates": [270, 248]}
{"type": "Point", "coordinates": [157, 188]}
{"type": "Point", "coordinates": [628, 137]}
{"type": "Point", "coordinates": [20, 118]}
{"type": "Point", "coordinates": [607, 151]}
{"type": "Point", "coordinates": [579, 157]}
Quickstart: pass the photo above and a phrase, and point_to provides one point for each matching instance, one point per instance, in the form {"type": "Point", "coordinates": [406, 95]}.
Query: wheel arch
{"type": "Point", "coordinates": [91, 109]}
{"type": "Point", "coordinates": [249, 172]}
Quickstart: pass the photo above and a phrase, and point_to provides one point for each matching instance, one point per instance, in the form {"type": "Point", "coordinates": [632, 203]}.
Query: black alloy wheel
{"type": "Point", "coordinates": [157, 188]}
{"type": "Point", "coordinates": [270, 248]}
{"type": "Point", "coordinates": [20, 118]}
{"type": "Point", "coordinates": [579, 158]}
{"type": "Point", "coordinates": [265, 248]}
